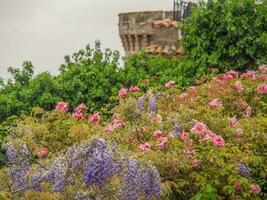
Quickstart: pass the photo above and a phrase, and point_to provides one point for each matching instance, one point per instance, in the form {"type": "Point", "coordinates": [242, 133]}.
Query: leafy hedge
{"type": "Point", "coordinates": [227, 34]}
{"type": "Point", "coordinates": [206, 143]}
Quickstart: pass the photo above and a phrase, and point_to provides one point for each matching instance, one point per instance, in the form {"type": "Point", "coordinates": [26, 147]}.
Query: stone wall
{"type": "Point", "coordinates": [151, 29]}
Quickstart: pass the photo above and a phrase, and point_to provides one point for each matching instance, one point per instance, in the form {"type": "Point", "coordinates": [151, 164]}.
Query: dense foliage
{"type": "Point", "coordinates": [208, 142]}
{"type": "Point", "coordinates": [227, 34]}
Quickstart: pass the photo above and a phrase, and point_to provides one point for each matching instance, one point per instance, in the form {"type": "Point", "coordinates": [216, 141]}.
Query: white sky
{"type": "Point", "coordinates": [43, 31]}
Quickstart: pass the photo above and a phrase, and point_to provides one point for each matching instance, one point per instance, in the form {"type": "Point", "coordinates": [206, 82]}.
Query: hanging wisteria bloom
{"type": "Point", "coordinates": [243, 170]}
{"type": "Point", "coordinates": [62, 106]}
{"type": "Point", "coordinates": [152, 107]}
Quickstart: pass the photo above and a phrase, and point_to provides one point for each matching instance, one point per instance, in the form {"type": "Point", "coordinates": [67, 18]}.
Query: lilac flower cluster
{"type": "Point", "coordinates": [243, 170]}
{"type": "Point", "coordinates": [140, 103]}
{"type": "Point", "coordinates": [19, 162]}
{"type": "Point", "coordinates": [176, 132]}
{"type": "Point", "coordinates": [100, 167]}
{"type": "Point", "coordinates": [96, 162]}
{"type": "Point", "coordinates": [152, 107]}
{"type": "Point", "coordinates": [141, 181]}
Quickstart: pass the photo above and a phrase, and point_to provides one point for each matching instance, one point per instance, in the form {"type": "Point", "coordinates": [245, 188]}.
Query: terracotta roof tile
{"type": "Point", "coordinates": [165, 50]}
{"type": "Point", "coordinates": [164, 23]}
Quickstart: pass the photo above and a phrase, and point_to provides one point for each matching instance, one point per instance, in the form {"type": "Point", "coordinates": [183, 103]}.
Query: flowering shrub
{"type": "Point", "coordinates": [207, 142]}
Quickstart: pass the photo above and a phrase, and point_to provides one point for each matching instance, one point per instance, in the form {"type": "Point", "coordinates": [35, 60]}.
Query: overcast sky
{"type": "Point", "coordinates": [43, 31]}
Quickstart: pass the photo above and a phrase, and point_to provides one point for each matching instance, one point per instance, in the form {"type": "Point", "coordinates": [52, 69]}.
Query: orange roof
{"type": "Point", "coordinates": [164, 23]}
{"type": "Point", "coordinates": [165, 50]}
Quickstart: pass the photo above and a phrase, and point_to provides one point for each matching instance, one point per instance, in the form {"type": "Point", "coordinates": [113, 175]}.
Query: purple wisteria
{"type": "Point", "coordinates": [141, 181]}
{"type": "Point", "coordinates": [95, 163]}
{"type": "Point", "coordinates": [243, 170]}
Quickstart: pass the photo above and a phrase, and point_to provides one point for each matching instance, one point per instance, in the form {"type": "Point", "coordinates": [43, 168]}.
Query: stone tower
{"type": "Point", "coordinates": [155, 31]}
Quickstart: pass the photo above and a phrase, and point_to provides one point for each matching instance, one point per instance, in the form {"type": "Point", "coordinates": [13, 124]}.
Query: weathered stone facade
{"type": "Point", "coordinates": [154, 31]}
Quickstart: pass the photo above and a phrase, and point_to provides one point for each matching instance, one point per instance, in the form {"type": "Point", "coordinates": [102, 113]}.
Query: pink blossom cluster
{"type": "Point", "coordinates": [263, 69]}
{"type": "Point", "coordinates": [94, 118]}
{"type": "Point", "coordinates": [228, 76]}
{"type": "Point", "coordinates": [216, 104]}
{"type": "Point", "coordinates": [201, 130]}
{"type": "Point", "coordinates": [78, 114]}
{"type": "Point", "coordinates": [262, 88]}
{"type": "Point", "coordinates": [169, 84]}
{"type": "Point", "coordinates": [255, 189]}
{"type": "Point", "coordinates": [115, 123]}
{"type": "Point", "coordinates": [43, 153]}
{"type": "Point", "coordinates": [239, 86]}
{"type": "Point", "coordinates": [161, 141]}
{"type": "Point", "coordinates": [62, 106]}
{"type": "Point", "coordinates": [123, 91]}
{"type": "Point", "coordinates": [248, 74]}
{"type": "Point", "coordinates": [145, 147]}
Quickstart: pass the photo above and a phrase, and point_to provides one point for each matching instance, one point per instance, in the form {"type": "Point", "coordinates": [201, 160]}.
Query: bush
{"type": "Point", "coordinates": [206, 143]}
{"type": "Point", "coordinates": [227, 34]}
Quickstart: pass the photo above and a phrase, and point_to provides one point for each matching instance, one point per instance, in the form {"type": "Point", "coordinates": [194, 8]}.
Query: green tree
{"type": "Point", "coordinates": [227, 34]}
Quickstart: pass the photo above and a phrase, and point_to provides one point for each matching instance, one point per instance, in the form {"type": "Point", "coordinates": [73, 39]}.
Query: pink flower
{"type": "Point", "coordinates": [123, 92]}
{"type": "Point", "coordinates": [209, 134]}
{"type": "Point", "coordinates": [218, 80]}
{"type": "Point", "coordinates": [62, 106]}
{"type": "Point", "coordinates": [248, 74]}
{"type": "Point", "coordinates": [237, 185]}
{"type": "Point", "coordinates": [199, 128]}
{"type": "Point", "coordinates": [216, 104]}
{"type": "Point", "coordinates": [183, 95]}
{"type": "Point", "coordinates": [134, 89]}
{"type": "Point", "coordinates": [233, 121]}
{"type": "Point", "coordinates": [158, 133]}
{"type": "Point", "coordinates": [218, 141]}
{"type": "Point", "coordinates": [157, 119]}
{"type": "Point", "coordinates": [42, 153]}
{"type": "Point", "coordinates": [80, 108]}
{"type": "Point", "coordinates": [262, 88]}
{"type": "Point", "coordinates": [239, 132]}
{"type": "Point", "coordinates": [184, 136]}
{"type": "Point", "coordinates": [119, 123]}
{"type": "Point", "coordinates": [78, 116]}
{"type": "Point", "coordinates": [233, 73]}
{"type": "Point", "coordinates": [248, 111]}
{"type": "Point", "coordinates": [263, 69]}
{"type": "Point", "coordinates": [162, 143]}
{"type": "Point", "coordinates": [196, 164]}
{"type": "Point", "coordinates": [169, 84]}
{"type": "Point", "coordinates": [108, 128]}
{"type": "Point", "coordinates": [94, 118]}
{"type": "Point", "coordinates": [239, 86]}
{"type": "Point", "coordinates": [116, 116]}
{"type": "Point", "coordinates": [255, 189]}
{"type": "Point", "coordinates": [145, 147]}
